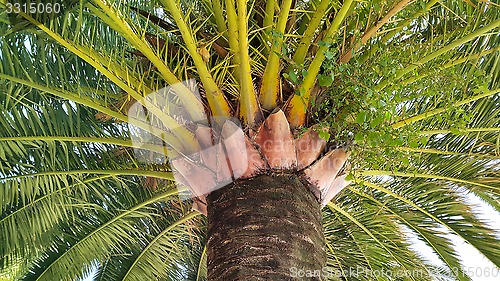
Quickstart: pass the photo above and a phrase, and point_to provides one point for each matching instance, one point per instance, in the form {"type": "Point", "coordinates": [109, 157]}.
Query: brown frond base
{"type": "Point", "coordinates": [229, 154]}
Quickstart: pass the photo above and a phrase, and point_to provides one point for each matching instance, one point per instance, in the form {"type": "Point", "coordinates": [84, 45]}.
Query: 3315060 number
{"type": "Point", "coordinates": [33, 8]}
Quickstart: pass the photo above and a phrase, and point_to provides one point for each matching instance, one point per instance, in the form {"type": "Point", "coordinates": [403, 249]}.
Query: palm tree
{"type": "Point", "coordinates": [343, 129]}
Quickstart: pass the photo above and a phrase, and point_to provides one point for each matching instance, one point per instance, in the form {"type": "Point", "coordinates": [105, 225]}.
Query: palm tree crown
{"type": "Point", "coordinates": [410, 88]}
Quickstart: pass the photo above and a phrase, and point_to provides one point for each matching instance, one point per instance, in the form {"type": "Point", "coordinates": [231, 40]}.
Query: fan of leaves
{"type": "Point", "coordinates": [411, 87]}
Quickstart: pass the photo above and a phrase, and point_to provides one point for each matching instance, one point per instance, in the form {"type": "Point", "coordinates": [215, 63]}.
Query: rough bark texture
{"type": "Point", "coordinates": [261, 228]}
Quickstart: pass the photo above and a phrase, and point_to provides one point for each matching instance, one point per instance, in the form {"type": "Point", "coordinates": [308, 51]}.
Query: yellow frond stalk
{"type": "Point", "coordinates": [219, 18]}
{"type": "Point", "coordinates": [373, 30]}
{"type": "Point", "coordinates": [460, 131]}
{"type": "Point", "coordinates": [394, 31]}
{"type": "Point", "coordinates": [168, 137]}
{"type": "Point", "coordinates": [454, 62]}
{"type": "Point", "coordinates": [440, 110]}
{"type": "Point", "coordinates": [268, 22]}
{"type": "Point", "coordinates": [111, 17]}
{"type": "Point", "coordinates": [297, 107]}
{"type": "Point", "coordinates": [234, 43]}
{"type": "Point", "coordinates": [270, 80]}
{"type": "Point", "coordinates": [478, 33]}
{"type": "Point", "coordinates": [305, 42]}
{"type": "Point", "coordinates": [249, 108]}
{"type": "Point", "coordinates": [113, 73]}
{"type": "Point", "coordinates": [216, 100]}
{"type": "Point", "coordinates": [424, 176]}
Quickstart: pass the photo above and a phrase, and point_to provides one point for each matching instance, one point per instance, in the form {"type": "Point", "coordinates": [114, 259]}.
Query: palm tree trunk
{"type": "Point", "coordinates": [264, 228]}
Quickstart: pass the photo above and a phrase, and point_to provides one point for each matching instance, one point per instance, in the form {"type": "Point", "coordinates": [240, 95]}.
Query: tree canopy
{"type": "Point", "coordinates": [411, 88]}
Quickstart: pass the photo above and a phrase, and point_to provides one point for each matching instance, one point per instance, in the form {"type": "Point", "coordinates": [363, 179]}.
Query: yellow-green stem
{"type": "Point", "coordinates": [216, 100]}
{"type": "Point", "coordinates": [75, 97]}
{"type": "Point", "coordinates": [460, 131]}
{"type": "Point", "coordinates": [442, 109]}
{"type": "Point", "coordinates": [93, 59]}
{"type": "Point", "coordinates": [145, 173]}
{"type": "Point", "coordinates": [249, 108]}
{"type": "Point", "coordinates": [448, 65]}
{"type": "Point", "coordinates": [271, 79]}
{"type": "Point", "coordinates": [114, 141]}
{"type": "Point", "coordinates": [443, 152]}
{"type": "Point", "coordinates": [397, 29]}
{"type": "Point", "coordinates": [400, 73]}
{"type": "Point", "coordinates": [234, 44]}
{"type": "Point", "coordinates": [372, 31]}
{"type": "Point", "coordinates": [297, 107]}
{"type": "Point", "coordinates": [219, 18]}
{"type": "Point", "coordinates": [424, 176]}
{"type": "Point", "coordinates": [305, 42]}
{"type": "Point", "coordinates": [268, 23]}
{"type": "Point", "coordinates": [191, 103]}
